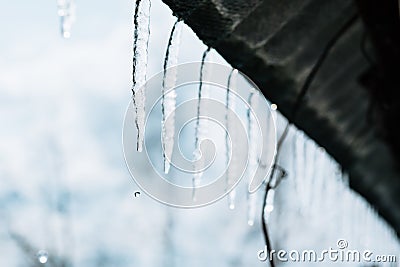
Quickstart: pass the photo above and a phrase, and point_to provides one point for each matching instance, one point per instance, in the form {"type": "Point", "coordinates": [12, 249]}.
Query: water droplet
{"type": "Point", "coordinates": [42, 256]}
{"type": "Point", "coordinates": [274, 106]}
{"type": "Point", "coordinates": [250, 222]}
{"type": "Point", "coordinates": [269, 208]}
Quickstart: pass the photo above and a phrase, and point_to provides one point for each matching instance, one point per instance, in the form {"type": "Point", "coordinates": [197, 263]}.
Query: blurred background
{"type": "Point", "coordinates": [65, 192]}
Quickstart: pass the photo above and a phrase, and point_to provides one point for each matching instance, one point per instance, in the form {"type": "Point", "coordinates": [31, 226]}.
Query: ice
{"type": "Point", "coordinates": [253, 155]}
{"type": "Point", "coordinates": [66, 12]}
{"type": "Point", "coordinates": [201, 125]}
{"type": "Point", "coordinates": [141, 21]}
{"type": "Point", "coordinates": [229, 121]}
{"type": "Point", "coordinates": [169, 95]}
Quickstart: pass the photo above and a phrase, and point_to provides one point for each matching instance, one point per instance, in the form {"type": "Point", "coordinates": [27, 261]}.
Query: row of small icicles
{"type": "Point", "coordinates": [141, 33]}
{"type": "Point", "coordinates": [141, 21]}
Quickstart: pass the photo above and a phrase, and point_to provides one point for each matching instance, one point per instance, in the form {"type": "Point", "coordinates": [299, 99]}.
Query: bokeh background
{"type": "Point", "coordinates": [64, 186]}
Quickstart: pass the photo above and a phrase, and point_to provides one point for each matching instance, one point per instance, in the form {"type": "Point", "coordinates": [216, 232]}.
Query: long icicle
{"type": "Point", "coordinates": [253, 157]}
{"type": "Point", "coordinates": [196, 154]}
{"type": "Point", "coordinates": [141, 36]}
{"type": "Point", "coordinates": [203, 59]}
{"type": "Point", "coordinates": [230, 106]}
{"type": "Point", "coordinates": [66, 12]}
{"type": "Point", "coordinates": [168, 95]}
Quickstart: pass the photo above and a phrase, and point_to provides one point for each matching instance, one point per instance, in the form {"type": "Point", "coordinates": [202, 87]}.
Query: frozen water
{"type": "Point", "coordinates": [141, 21]}
{"type": "Point", "coordinates": [169, 95]}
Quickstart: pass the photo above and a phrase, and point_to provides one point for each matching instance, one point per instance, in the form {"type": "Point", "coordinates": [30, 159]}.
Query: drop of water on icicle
{"type": "Point", "coordinates": [42, 256]}
{"type": "Point", "coordinates": [269, 208]}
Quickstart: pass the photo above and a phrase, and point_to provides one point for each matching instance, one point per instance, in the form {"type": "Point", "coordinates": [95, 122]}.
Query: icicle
{"type": "Point", "coordinates": [298, 171]}
{"type": "Point", "coordinates": [199, 129]}
{"type": "Point", "coordinates": [252, 207]}
{"type": "Point", "coordinates": [301, 164]}
{"type": "Point", "coordinates": [320, 170]}
{"type": "Point", "coordinates": [253, 155]}
{"type": "Point", "coordinates": [230, 107]}
{"type": "Point", "coordinates": [199, 97]}
{"type": "Point", "coordinates": [295, 163]}
{"type": "Point", "coordinates": [310, 177]}
{"type": "Point", "coordinates": [66, 12]}
{"type": "Point", "coordinates": [232, 199]}
{"type": "Point", "coordinates": [141, 22]}
{"type": "Point", "coordinates": [169, 100]}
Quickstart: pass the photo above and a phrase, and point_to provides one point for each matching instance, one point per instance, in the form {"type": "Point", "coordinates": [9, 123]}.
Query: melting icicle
{"type": "Point", "coordinates": [232, 199]}
{"type": "Point", "coordinates": [203, 59]}
{"type": "Point", "coordinates": [227, 144]}
{"type": "Point", "coordinates": [229, 123]}
{"type": "Point", "coordinates": [253, 155]}
{"type": "Point", "coordinates": [66, 12]}
{"type": "Point", "coordinates": [169, 96]}
{"type": "Point", "coordinates": [252, 208]}
{"type": "Point", "coordinates": [199, 129]}
{"type": "Point", "coordinates": [141, 21]}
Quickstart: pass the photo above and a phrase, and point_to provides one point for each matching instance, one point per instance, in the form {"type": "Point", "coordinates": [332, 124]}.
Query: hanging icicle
{"type": "Point", "coordinates": [66, 12]}
{"type": "Point", "coordinates": [253, 155]}
{"type": "Point", "coordinates": [200, 129]}
{"type": "Point", "coordinates": [141, 21]}
{"type": "Point", "coordinates": [203, 59]}
{"type": "Point", "coordinates": [169, 95]}
{"type": "Point", "coordinates": [251, 208]}
{"type": "Point", "coordinates": [229, 124]}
